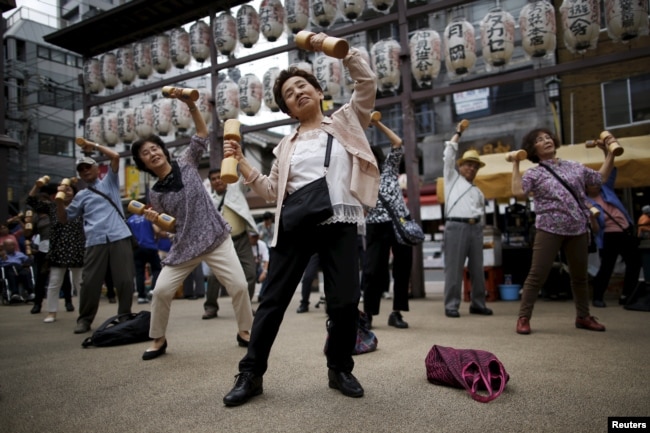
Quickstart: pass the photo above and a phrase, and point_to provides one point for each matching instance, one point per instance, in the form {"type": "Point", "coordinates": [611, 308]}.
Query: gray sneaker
{"type": "Point", "coordinates": [81, 328]}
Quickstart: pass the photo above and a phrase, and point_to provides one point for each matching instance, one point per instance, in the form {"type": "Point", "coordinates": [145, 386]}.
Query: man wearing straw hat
{"type": "Point", "coordinates": [463, 236]}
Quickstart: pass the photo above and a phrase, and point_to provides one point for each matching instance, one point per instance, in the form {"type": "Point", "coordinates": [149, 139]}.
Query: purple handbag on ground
{"type": "Point", "coordinates": [479, 372]}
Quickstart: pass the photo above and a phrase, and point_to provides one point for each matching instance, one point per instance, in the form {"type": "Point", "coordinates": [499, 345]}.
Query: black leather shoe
{"type": "Point", "coordinates": [599, 303]}
{"type": "Point", "coordinates": [345, 382]}
{"type": "Point", "coordinates": [69, 306]}
{"type": "Point", "coordinates": [395, 319]}
{"type": "Point", "coordinates": [480, 310]}
{"type": "Point", "coordinates": [241, 341]}
{"type": "Point", "coordinates": [152, 354]}
{"type": "Point", "coordinates": [247, 386]}
{"type": "Point", "coordinates": [36, 309]}
{"type": "Point", "coordinates": [303, 308]}
{"type": "Point", "coordinates": [452, 313]}
{"type": "Point", "coordinates": [81, 328]}
{"type": "Point", "coordinates": [209, 314]}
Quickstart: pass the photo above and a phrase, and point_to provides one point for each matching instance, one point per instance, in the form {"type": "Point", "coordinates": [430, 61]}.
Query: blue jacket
{"type": "Point", "coordinates": [609, 196]}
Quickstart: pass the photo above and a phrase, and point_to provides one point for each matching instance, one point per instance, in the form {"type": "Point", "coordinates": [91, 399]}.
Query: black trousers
{"type": "Point", "coordinates": [615, 244]}
{"type": "Point", "coordinates": [336, 246]}
{"type": "Point", "coordinates": [375, 279]}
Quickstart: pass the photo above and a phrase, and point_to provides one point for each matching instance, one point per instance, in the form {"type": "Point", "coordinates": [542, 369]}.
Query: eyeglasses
{"type": "Point", "coordinates": [543, 138]}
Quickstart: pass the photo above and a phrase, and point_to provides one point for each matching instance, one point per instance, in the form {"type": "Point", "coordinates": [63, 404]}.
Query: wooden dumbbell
{"type": "Point", "coordinates": [611, 143]}
{"type": "Point", "coordinates": [516, 155]}
{"type": "Point", "coordinates": [42, 181]}
{"type": "Point", "coordinates": [333, 47]}
{"type": "Point", "coordinates": [163, 221]}
{"type": "Point", "coordinates": [375, 118]}
{"type": "Point", "coordinates": [60, 196]}
{"type": "Point", "coordinates": [180, 93]}
{"type": "Point", "coordinates": [229, 165]}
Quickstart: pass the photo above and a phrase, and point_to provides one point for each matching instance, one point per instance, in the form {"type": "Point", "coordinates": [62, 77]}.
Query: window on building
{"type": "Point", "coordinates": [493, 100]}
{"type": "Point", "coordinates": [43, 52]}
{"type": "Point", "coordinates": [55, 145]}
{"type": "Point", "coordinates": [21, 50]}
{"type": "Point", "coordinates": [626, 102]}
{"type": "Point", "coordinates": [61, 98]}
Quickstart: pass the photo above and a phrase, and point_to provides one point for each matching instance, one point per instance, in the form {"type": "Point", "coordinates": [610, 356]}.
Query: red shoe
{"type": "Point", "coordinates": [523, 325]}
{"type": "Point", "coordinates": [589, 323]}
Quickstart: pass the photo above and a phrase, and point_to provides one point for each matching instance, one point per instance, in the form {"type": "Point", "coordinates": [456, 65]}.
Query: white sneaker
{"type": "Point", "coordinates": [387, 295]}
{"type": "Point", "coordinates": [49, 319]}
{"type": "Point", "coordinates": [142, 300]}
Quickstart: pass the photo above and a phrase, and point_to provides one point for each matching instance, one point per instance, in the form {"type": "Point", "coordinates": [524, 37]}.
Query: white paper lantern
{"type": "Point", "coordinates": [382, 5]}
{"type": "Point", "coordinates": [204, 105]}
{"type": "Point", "coordinates": [248, 26]}
{"type": "Point", "coordinates": [497, 37]}
{"type": "Point", "coordinates": [296, 15]}
{"type": "Point", "coordinates": [271, 19]}
{"type": "Point", "coordinates": [386, 63]}
{"type": "Point", "coordinates": [580, 24]}
{"type": "Point", "coordinates": [349, 81]}
{"type": "Point", "coordinates": [200, 41]}
{"type": "Point", "coordinates": [179, 48]}
{"type": "Point", "coordinates": [352, 9]}
{"type": "Point", "coordinates": [110, 130]}
{"type": "Point", "coordinates": [305, 66]}
{"type": "Point", "coordinates": [537, 25]}
{"type": "Point", "coordinates": [126, 124]}
{"type": "Point", "coordinates": [142, 59]}
{"type": "Point", "coordinates": [227, 99]}
{"type": "Point", "coordinates": [125, 65]}
{"type": "Point", "coordinates": [225, 33]}
{"type": "Point", "coordinates": [425, 47]}
{"type": "Point", "coordinates": [109, 70]}
{"type": "Point", "coordinates": [250, 94]}
{"type": "Point", "coordinates": [268, 81]}
{"type": "Point", "coordinates": [93, 130]}
{"type": "Point", "coordinates": [144, 120]}
{"type": "Point", "coordinates": [162, 116]}
{"type": "Point", "coordinates": [626, 19]}
{"type": "Point", "coordinates": [460, 47]}
{"type": "Point", "coordinates": [327, 71]}
{"type": "Point", "coordinates": [93, 76]}
{"type": "Point", "coordinates": [181, 116]}
{"type": "Point", "coordinates": [323, 12]}
{"type": "Point", "coordinates": [160, 57]}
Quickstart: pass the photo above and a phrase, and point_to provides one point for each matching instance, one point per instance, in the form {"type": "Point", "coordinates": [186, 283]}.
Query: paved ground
{"type": "Point", "coordinates": [561, 379]}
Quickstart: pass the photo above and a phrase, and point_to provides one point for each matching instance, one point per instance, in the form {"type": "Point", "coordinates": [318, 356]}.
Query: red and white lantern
{"type": "Point", "coordinates": [126, 125]}
{"type": "Point", "coordinates": [109, 70]}
{"type": "Point", "coordinates": [425, 47]}
{"type": "Point", "coordinates": [268, 82]}
{"type": "Point", "coordinates": [250, 94]}
{"type": "Point", "coordinates": [93, 76]}
{"type": "Point", "coordinates": [125, 65]}
{"type": "Point", "coordinates": [181, 116]}
{"type": "Point", "coordinates": [323, 12]}
{"type": "Point", "coordinates": [93, 131]}
{"type": "Point", "coordinates": [200, 41]}
{"type": "Point", "coordinates": [144, 120]}
{"type": "Point", "coordinates": [581, 24]}
{"type": "Point", "coordinates": [227, 100]}
{"type": "Point", "coordinates": [537, 25]}
{"type": "Point", "coordinates": [225, 33]}
{"type": "Point", "coordinates": [497, 37]}
{"type": "Point", "coordinates": [142, 59]}
{"type": "Point", "coordinates": [296, 15]}
{"type": "Point", "coordinates": [349, 82]}
{"type": "Point", "coordinates": [626, 19]}
{"type": "Point", "coordinates": [328, 72]}
{"type": "Point", "coordinates": [382, 5]}
{"type": "Point", "coordinates": [110, 130]}
{"type": "Point", "coordinates": [460, 47]}
{"type": "Point", "coordinates": [386, 63]}
{"type": "Point", "coordinates": [352, 9]}
{"type": "Point", "coordinates": [272, 19]}
{"type": "Point", "coordinates": [162, 116]}
{"type": "Point", "coordinates": [248, 26]}
{"type": "Point", "coordinates": [179, 48]}
{"type": "Point", "coordinates": [160, 56]}
{"type": "Point", "coordinates": [305, 66]}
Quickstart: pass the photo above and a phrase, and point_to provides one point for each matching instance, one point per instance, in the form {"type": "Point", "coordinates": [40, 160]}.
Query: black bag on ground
{"type": "Point", "coordinates": [639, 300]}
{"type": "Point", "coordinates": [121, 329]}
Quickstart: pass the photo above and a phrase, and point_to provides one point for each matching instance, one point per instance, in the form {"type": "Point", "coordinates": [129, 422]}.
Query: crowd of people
{"type": "Point", "coordinates": [76, 240]}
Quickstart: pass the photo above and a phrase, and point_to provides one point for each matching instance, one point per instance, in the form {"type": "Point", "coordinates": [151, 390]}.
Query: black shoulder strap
{"type": "Point", "coordinates": [329, 150]}
{"type": "Point", "coordinates": [557, 176]}
{"type": "Point", "coordinates": [109, 200]}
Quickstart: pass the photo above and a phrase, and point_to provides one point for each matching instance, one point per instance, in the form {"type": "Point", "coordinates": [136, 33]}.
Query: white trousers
{"type": "Point", "coordinates": [224, 263]}
{"type": "Point", "coordinates": [54, 287]}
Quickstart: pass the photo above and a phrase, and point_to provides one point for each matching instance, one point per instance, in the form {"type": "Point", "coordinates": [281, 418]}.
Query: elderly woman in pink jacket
{"type": "Point", "coordinates": [353, 182]}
